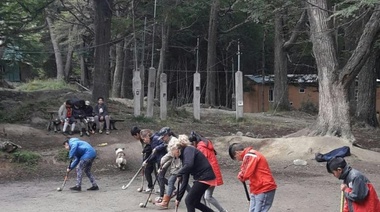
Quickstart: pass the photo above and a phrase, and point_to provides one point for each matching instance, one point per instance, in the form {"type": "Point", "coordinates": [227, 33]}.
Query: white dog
{"type": "Point", "coordinates": [121, 162]}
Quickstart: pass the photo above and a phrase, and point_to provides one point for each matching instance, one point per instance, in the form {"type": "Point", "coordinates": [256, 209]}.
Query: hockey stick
{"type": "Point", "coordinates": [246, 191]}
{"type": "Point", "coordinates": [178, 187]}
{"type": "Point", "coordinates": [64, 182]}
{"type": "Point", "coordinates": [137, 173]}
{"type": "Point", "coordinates": [65, 179]}
{"type": "Point", "coordinates": [150, 194]}
{"type": "Point", "coordinates": [341, 201]}
{"type": "Point", "coordinates": [133, 178]}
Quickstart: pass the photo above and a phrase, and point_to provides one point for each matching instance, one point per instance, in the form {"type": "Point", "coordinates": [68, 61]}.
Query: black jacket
{"type": "Point", "coordinates": [147, 151]}
{"type": "Point", "coordinates": [196, 164]}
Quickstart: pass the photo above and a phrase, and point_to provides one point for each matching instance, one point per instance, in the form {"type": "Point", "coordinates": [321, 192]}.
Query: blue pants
{"type": "Point", "coordinates": [261, 202]}
{"type": "Point", "coordinates": [85, 166]}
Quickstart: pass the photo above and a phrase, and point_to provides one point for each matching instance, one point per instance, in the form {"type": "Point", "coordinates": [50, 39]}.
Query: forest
{"type": "Point", "coordinates": [103, 43]}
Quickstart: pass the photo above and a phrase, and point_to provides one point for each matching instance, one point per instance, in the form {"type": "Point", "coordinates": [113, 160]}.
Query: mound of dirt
{"type": "Point", "coordinates": [289, 149]}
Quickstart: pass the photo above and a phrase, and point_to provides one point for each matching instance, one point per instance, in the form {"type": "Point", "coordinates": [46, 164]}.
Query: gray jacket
{"type": "Point", "coordinates": [357, 182]}
{"type": "Point", "coordinates": [171, 163]}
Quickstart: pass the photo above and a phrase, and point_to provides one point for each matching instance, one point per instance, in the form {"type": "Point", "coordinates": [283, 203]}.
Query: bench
{"type": "Point", "coordinates": [113, 122]}
{"type": "Point", "coordinates": [51, 123]}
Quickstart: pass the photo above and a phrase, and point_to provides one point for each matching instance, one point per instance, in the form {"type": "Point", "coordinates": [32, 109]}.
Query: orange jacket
{"type": "Point", "coordinates": [208, 150]}
{"type": "Point", "coordinates": [255, 168]}
{"type": "Point", "coordinates": [369, 204]}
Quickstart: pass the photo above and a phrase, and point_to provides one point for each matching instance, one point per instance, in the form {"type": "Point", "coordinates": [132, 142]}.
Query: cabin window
{"type": "Point", "coordinates": [270, 95]}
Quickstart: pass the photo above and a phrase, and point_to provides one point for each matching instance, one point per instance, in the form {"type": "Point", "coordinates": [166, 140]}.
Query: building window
{"type": "Point", "coordinates": [270, 95]}
{"type": "Point", "coordinates": [302, 90]}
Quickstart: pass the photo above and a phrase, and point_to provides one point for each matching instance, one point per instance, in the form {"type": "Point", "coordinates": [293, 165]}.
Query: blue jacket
{"type": "Point", "coordinates": [160, 148]}
{"type": "Point", "coordinates": [80, 150]}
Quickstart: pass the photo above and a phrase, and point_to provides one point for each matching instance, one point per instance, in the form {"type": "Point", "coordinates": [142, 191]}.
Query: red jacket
{"type": "Point", "coordinates": [255, 168]}
{"type": "Point", "coordinates": [208, 150]}
{"type": "Point", "coordinates": [369, 204]}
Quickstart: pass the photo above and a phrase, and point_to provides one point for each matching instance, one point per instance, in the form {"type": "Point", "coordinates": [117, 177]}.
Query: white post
{"type": "Point", "coordinates": [163, 96]}
{"type": "Point", "coordinates": [197, 88]}
{"type": "Point", "coordinates": [151, 86]}
{"type": "Point", "coordinates": [239, 94]}
{"type": "Point", "coordinates": [239, 88]}
{"type": "Point", "coordinates": [197, 96]}
{"type": "Point", "coordinates": [136, 93]}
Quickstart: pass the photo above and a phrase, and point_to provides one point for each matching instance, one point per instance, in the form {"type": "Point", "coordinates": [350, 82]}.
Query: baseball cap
{"type": "Point", "coordinates": [164, 131]}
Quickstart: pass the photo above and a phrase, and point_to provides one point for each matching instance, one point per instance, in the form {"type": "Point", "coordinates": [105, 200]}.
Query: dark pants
{"type": "Point", "coordinates": [85, 166]}
{"type": "Point", "coordinates": [162, 181]}
{"type": "Point", "coordinates": [148, 174]}
{"type": "Point", "coordinates": [193, 198]}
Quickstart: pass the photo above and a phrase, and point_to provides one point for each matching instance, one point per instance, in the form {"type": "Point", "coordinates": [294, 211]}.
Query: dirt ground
{"type": "Point", "coordinates": [300, 188]}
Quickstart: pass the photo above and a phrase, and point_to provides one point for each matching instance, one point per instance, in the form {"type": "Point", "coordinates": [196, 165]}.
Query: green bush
{"type": "Point", "coordinates": [26, 157]}
{"type": "Point", "coordinates": [63, 155]}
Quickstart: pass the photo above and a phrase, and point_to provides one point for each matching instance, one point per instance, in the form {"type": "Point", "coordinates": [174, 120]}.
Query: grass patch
{"type": "Point", "coordinates": [26, 157]}
{"type": "Point", "coordinates": [143, 119]}
{"type": "Point", "coordinates": [49, 84]}
{"type": "Point", "coordinates": [63, 155]}
{"type": "Point", "coordinates": [178, 113]}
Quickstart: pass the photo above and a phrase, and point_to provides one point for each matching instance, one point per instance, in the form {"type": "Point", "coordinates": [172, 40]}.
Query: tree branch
{"type": "Point", "coordinates": [296, 31]}
{"type": "Point", "coordinates": [248, 19]}
{"type": "Point", "coordinates": [33, 29]}
{"type": "Point", "coordinates": [363, 49]}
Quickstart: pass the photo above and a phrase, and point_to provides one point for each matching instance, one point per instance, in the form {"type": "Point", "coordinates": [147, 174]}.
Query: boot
{"type": "Point", "coordinates": [165, 202]}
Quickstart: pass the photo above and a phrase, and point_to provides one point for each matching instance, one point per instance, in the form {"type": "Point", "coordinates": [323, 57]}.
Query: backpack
{"type": "Point", "coordinates": [338, 152]}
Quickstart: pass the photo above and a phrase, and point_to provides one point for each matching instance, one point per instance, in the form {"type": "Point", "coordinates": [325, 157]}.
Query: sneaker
{"type": "Point", "coordinates": [81, 134]}
{"type": "Point", "coordinates": [107, 132]}
{"type": "Point", "coordinates": [87, 133]}
{"type": "Point", "coordinates": [70, 133]}
{"type": "Point", "coordinates": [76, 188]}
{"type": "Point", "coordinates": [147, 190]}
{"type": "Point", "coordinates": [158, 200]}
{"type": "Point", "coordinates": [100, 131]}
{"type": "Point", "coordinates": [93, 188]}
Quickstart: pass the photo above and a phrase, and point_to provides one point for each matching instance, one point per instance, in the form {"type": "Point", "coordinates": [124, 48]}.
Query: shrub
{"type": "Point", "coordinates": [63, 155]}
{"type": "Point", "coordinates": [26, 157]}
{"type": "Point", "coordinates": [309, 107]}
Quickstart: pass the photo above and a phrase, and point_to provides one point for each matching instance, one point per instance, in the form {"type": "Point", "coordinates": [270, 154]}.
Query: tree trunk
{"type": "Point", "coordinates": [333, 118]}
{"type": "Point", "coordinates": [118, 74]}
{"type": "Point", "coordinates": [366, 102]}
{"type": "Point", "coordinates": [126, 84]}
{"type": "Point", "coordinates": [164, 46]}
{"type": "Point", "coordinates": [84, 73]}
{"type": "Point", "coordinates": [211, 53]}
{"type": "Point", "coordinates": [281, 99]}
{"type": "Point", "coordinates": [70, 51]}
{"type": "Point", "coordinates": [57, 52]}
{"type": "Point", "coordinates": [102, 25]}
